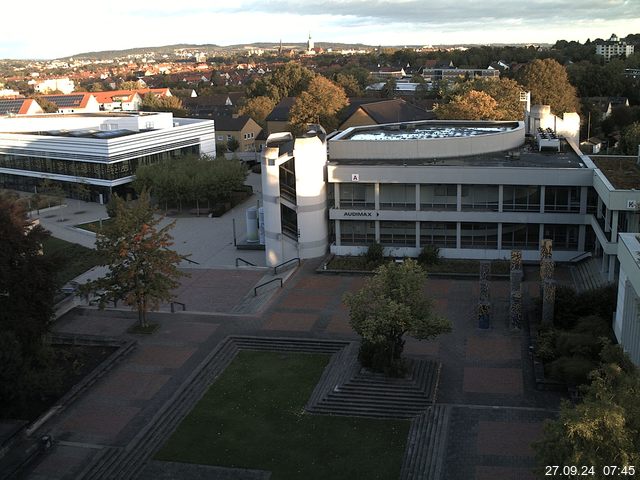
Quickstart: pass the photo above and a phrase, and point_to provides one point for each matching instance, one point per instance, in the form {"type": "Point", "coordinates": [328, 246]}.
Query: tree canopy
{"type": "Point", "coordinates": [482, 99]}
{"type": "Point", "coordinates": [390, 305]}
{"type": "Point", "coordinates": [154, 103]}
{"type": "Point", "coordinates": [549, 84]}
{"type": "Point", "coordinates": [191, 179]}
{"type": "Point", "coordinates": [603, 429]}
{"type": "Point", "coordinates": [319, 104]}
{"type": "Point", "coordinates": [289, 80]}
{"type": "Point", "coordinates": [630, 139]}
{"type": "Point", "coordinates": [142, 270]}
{"type": "Point", "coordinates": [258, 108]}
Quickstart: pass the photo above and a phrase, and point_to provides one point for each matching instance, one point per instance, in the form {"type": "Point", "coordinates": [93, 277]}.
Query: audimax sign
{"type": "Point", "coordinates": [363, 213]}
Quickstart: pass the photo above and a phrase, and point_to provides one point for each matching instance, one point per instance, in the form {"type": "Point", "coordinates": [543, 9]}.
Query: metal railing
{"type": "Point", "coordinates": [275, 269]}
{"type": "Point", "coordinates": [580, 256]}
{"type": "Point", "coordinates": [238, 259]}
{"type": "Point", "coordinates": [255, 290]}
{"type": "Point", "coordinates": [173, 306]}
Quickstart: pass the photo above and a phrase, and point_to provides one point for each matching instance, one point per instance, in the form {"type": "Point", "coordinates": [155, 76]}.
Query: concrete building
{"type": "Point", "coordinates": [100, 150]}
{"type": "Point", "coordinates": [613, 47]}
{"type": "Point", "coordinates": [626, 324]}
{"type": "Point", "coordinates": [243, 128]}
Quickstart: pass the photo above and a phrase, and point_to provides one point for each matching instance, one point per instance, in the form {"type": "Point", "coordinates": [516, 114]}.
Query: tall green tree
{"type": "Point", "coordinates": [630, 139]}
{"type": "Point", "coordinates": [142, 270]}
{"type": "Point", "coordinates": [390, 305]}
{"type": "Point", "coordinates": [319, 104]}
{"type": "Point", "coordinates": [258, 108]}
{"type": "Point", "coordinates": [473, 105]}
{"type": "Point", "coordinates": [154, 103]}
{"type": "Point", "coordinates": [289, 80]}
{"type": "Point", "coordinates": [603, 429]}
{"type": "Point", "coordinates": [27, 289]}
{"type": "Point", "coordinates": [549, 84]}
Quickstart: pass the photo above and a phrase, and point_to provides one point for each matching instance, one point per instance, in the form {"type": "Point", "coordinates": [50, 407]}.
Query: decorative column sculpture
{"type": "Point", "coordinates": [548, 285]}
{"type": "Point", "coordinates": [515, 296]}
{"type": "Point", "coordinates": [484, 304]}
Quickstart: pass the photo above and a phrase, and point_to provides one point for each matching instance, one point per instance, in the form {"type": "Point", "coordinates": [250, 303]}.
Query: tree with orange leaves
{"type": "Point", "coordinates": [142, 269]}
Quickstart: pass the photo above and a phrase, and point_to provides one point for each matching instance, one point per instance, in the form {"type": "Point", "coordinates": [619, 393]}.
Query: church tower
{"type": "Point", "coordinates": [310, 44]}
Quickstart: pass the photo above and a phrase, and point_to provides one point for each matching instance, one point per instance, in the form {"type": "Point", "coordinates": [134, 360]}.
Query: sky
{"type": "Point", "coordinates": [45, 30]}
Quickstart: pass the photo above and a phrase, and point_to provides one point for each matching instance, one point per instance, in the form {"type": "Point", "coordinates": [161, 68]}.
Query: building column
{"type": "Point", "coordinates": [583, 200]}
{"type": "Point", "coordinates": [417, 234]}
{"type": "Point", "coordinates": [336, 195]}
{"type": "Point", "coordinates": [582, 234]}
{"type": "Point", "coordinates": [377, 231]}
{"type": "Point", "coordinates": [500, 224]}
{"type": "Point", "coordinates": [612, 268]}
{"type": "Point", "coordinates": [542, 193]}
{"type": "Point", "coordinates": [540, 235]}
{"type": "Point", "coordinates": [500, 201]}
{"type": "Point", "coordinates": [599, 208]}
{"type": "Point", "coordinates": [459, 202]}
{"type": "Point", "coordinates": [607, 221]}
{"type": "Point", "coordinates": [458, 231]}
{"type": "Point", "coordinates": [417, 197]}
{"type": "Point", "coordinates": [614, 225]}
{"type": "Point", "coordinates": [376, 196]}
{"type": "Point", "coordinates": [337, 233]}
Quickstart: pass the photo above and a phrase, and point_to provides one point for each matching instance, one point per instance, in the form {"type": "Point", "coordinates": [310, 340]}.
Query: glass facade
{"type": "Point", "coordinates": [439, 197]}
{"type": "Point", "coordinates": [357, 195]}
{"type": "Point", "coordinates": [520, 236]}
{"type": "Point", "coordinates": [562, 199]}
{"type": "Point", "coordinates": [439, 234]}
{"type": "Point", "coordinates": [480, 197]}
{"type": "Point", "coordinates": [517, 198]}
{"type": "Point", "coordinates": [397, 196]}
{"type": "Point", "coordinates": [564, 237]}
{"type": "Point", "coordinates": [288, 180]}
{"type": "Point", "coordinates": [398, 234]}
{"type": "Point", "coordinates": [357, 232]}
{"type": "Point", "coordinates": [78, 168]}
{"type": "Point", "coordinates": [289, 221]}
{"type": "Point", "coordinates": [479, 235]}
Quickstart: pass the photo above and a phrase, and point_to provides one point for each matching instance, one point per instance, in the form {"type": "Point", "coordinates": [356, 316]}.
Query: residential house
{"type": "Point", "coordinates": [81, 102]}
{"type": "Point", "coordinates": [363, 111]}
{"type": "Point", "coordinates": [243, 128]}
{"type": "Point", "coordinates": [19, 106]}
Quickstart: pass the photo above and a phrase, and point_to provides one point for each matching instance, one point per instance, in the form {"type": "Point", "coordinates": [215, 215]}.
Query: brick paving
{"type": "Point", "coordinates": [486, 376]}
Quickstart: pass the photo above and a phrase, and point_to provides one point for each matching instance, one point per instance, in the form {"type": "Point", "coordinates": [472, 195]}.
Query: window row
{"type": "Point", "coordinates": [76, 168]}
{"type": "Point", "coordinates": [444, 234]}
{"type": "Point", "coordinates": [515, 198]}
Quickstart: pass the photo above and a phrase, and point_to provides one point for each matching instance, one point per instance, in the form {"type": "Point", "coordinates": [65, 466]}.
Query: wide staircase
{"type": "Point", "coordinates": [586, 274]}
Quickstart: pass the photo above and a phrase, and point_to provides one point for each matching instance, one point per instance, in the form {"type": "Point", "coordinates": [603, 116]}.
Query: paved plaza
{"type": "Point", "coordinates": [486, 375]}
{"type": "Point", "coordinates": [486, 384]}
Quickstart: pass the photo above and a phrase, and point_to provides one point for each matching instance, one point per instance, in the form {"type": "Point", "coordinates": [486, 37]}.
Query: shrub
{"type": "Point", "coordinates": [375, 254]}
{"type": "Point", "coordinates": [546, 347]}
{"type": "Point", "coordinates": [571, 370]}
{"type": "Point", "coordinates": [430, 255]}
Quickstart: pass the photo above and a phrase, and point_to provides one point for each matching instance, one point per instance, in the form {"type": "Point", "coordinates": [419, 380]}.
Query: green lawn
{"type": "Point", "coordinates": [253, 417]}
{"type": "Point", "coordinates": [94, 226]}
{"type": "Point", "coordinates": [73, 259]}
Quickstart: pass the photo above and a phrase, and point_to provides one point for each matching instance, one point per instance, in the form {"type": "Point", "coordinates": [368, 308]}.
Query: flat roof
{"type": "Point", "coordinates": [90, 133]}
{"type": "Point", "coordinates": [397, 133]}
{"type": "Point", "coordinates": [622, 172]}
{"type": "Point", "coordinates": [424, 130]}
{"type": "Point", "coordinates": [525, 156]}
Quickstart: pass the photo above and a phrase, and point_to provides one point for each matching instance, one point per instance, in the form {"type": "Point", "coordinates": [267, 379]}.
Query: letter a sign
{"type": "Point", "coordinates": [355, 177]}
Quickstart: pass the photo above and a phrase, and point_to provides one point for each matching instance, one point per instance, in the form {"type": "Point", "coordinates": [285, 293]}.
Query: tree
{"type": "Point", "coordinates": [350, 84]}
{"type": "Point", "coordinates": [549, 85]}
{"type": "Point", "coordinates": [319, 104]}
{"type": "Point", "coordinates": [154, 103]}
{"type": "Point", "coordinates": [258, 108]}
{"type": "Point", "coordinates": [389, 88]}
{"type": "Point", "coordinates": [27, 289]}
{"type": "Point", "coordinates": [27, 283]}
{"type": "Point", "coordinates": [389, 305]}
{"type": "Point", "coordinates": [465, 105]}
{"type": "Point", "coordinates": [142, 270]}
{"type": "Point", "coordinates": [630, 139]}
{"type": "Point", "coordinates": [289, 80]}
{"type": "Point", "coordinates": [46, 105]}
{"type": "Point", "coordinates": [602, 430]}
{"type": "Point", "coordinates": [233, 144]}
{"type": "Point", "coordinates": [472, 106]}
